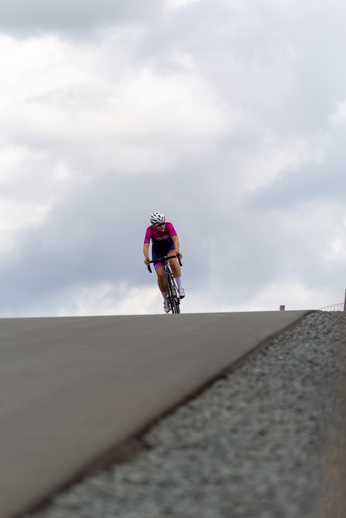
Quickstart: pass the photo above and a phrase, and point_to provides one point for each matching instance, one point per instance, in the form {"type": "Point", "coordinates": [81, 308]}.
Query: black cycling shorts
{"type": "Point", "coordinates": [161, 248]}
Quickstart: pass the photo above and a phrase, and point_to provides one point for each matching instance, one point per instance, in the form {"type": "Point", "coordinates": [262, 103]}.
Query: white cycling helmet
{"type": "Point", "coordinates": [156, 218]}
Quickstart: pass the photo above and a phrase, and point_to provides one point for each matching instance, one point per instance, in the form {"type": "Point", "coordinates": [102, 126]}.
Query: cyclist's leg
{"type": "Point", "coordinates": [161, 281]}
{"type": "Point", "coordinates": [158, 252]}
{"type": "Point", "coordinates": [175, 265]}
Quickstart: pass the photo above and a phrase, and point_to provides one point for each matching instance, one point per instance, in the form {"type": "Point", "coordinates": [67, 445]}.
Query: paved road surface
{"type": "Point", "coordinates": [70, 388]}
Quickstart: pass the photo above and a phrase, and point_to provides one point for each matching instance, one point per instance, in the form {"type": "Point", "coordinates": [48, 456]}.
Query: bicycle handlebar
{"type": "Point", "coordinates": [163, 259]}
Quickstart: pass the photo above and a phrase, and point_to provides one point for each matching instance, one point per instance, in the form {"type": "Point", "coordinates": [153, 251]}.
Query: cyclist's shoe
{"type": "Point", "coordinates": [181, 293]}
{"type": "Point", "coordinates": [166, 306]}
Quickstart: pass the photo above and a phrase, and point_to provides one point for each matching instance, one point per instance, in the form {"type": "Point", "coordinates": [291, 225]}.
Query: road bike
{"type": "Point", "coordinates": [171, 287]}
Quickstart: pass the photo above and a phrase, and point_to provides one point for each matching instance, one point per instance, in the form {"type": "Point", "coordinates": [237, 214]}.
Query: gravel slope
{"type": "Point", "coordinates": [266, 441]}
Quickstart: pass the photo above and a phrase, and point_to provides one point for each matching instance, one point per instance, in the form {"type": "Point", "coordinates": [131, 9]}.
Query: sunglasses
{"type": "Point", "coordinates": [160, 225]}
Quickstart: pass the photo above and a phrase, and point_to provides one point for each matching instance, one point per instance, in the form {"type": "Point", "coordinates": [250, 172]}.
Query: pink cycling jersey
{"type": "Point", "coordinates": [156, 235]}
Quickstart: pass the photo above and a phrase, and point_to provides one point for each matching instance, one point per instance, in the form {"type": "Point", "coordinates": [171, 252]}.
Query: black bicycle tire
{"type": "Point", "coordinates": [175, 306]}
{"type": "Point", "coordinates": [168, 289]}
{"type": "Point", "coordinates": [176, 299]}
{"type": "Point", "coordinates": [170, 293]}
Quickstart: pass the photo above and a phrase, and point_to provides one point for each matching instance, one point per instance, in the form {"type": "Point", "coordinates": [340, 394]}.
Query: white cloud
{"type": "Point", "coordinates": [16, 218]}
{"type": "Point", "coordinates": [336, 245]}
{"type": "Point", "coordinates": [272, 159]}
{"type": "Point", "coordinates": [141, 122]}
{"type": "Point", "coordinates": [338, 117]}
{"type": "Point", "coordinates": [287, 292]}
{"type": "Point", "coordinates": [99, 299]}
{"type": "Point", "coordinates": [179, 4]}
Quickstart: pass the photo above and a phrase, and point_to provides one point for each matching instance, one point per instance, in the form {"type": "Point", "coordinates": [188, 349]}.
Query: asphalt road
{"type": "Point", "coordinates": [71, 388]}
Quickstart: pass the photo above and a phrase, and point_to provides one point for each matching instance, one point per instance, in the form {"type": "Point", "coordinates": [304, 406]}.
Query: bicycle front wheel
{"type": "Point", "coordinates": [175, 305]}
{"type": "Point", "coordinates": [172, 295]}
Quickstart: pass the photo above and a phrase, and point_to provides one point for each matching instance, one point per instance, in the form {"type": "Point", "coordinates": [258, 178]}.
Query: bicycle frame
{"type": "Point", "coordinates": [171, 287]}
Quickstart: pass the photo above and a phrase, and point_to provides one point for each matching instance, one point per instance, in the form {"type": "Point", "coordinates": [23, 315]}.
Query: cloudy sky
{"type": "Point", "coordinates": [229, 116]}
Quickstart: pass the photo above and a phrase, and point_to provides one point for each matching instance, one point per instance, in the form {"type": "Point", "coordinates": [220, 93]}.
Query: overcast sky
{"type": "Point", "coordinates": [228, 116]}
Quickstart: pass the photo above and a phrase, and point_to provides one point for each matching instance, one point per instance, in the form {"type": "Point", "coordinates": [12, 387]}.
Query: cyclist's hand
{"type": "Point", "coordinates": [179, 254]}
{"type": "Point", "coordinates": [147, 261]}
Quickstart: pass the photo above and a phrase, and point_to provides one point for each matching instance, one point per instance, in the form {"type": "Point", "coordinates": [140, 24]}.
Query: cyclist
{"type": "Point", "coordinates": [164, 242]}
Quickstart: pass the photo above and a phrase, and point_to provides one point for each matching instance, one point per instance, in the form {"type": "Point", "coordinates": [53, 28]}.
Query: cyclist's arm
{"type": "Point", "coordinates": [176, 244]}
{"type": "Point", "coordinates": [146, 252]}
